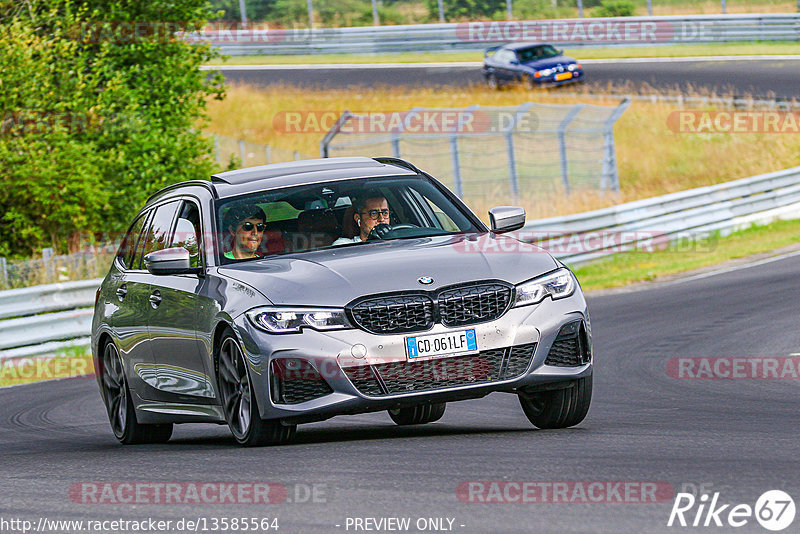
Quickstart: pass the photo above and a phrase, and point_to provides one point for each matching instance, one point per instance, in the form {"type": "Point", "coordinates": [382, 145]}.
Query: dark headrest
{"type": "Point", "coordinates": [318, 220]}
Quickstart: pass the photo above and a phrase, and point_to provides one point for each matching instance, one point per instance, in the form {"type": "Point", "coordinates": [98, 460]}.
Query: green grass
{"type": "Point", "coordinates": [74, 361]}
{"type": "Point", "coordinates": [731, 49]}
{"type": "Point", "coordinates": [627, 268]}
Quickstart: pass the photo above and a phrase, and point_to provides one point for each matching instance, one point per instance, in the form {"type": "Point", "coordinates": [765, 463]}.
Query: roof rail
{"type": "Point", "coordinates": [202, 183]}
{"type": "Point", "coordinates": [397, 162]}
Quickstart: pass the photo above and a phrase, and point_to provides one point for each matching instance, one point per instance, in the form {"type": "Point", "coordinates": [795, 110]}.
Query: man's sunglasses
{"type": "Point", "coordinates": [377, 214]}
{"type": "Point", "coordinates": [248, 226]}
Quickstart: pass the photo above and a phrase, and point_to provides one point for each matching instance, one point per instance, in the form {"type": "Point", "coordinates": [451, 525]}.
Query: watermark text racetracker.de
{"type": "Point", "coordinates": [734, 368]}
{"type": "Point", "coordinates": [564, 491]}
{"type": "Point", "coordinates": [734, 122]}
{"type": "Point", "coordinates": [599, 241]}
{"type": "Point", "coordinates": [196, 493]}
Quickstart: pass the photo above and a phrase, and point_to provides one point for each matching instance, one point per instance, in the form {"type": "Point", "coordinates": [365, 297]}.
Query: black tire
{"type": "Point", "coordinates": [559, 408]}
{"type": "Point", "coordinates": [119, 404]}
{"type": "Point", "coordinates": [239, 400]}
{"type": "Point", "coordinates": [492, 83]}
{"type": "Point", "coordinates": [418, 415]}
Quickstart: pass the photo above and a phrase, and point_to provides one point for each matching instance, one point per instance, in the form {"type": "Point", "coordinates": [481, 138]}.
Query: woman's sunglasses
{"type": "Point", "coordinates": [248, 226]}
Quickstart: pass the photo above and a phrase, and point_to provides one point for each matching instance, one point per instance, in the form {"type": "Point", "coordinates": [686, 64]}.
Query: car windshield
{"type": "Point", "coordinates": [334, 214]}
{"type": "Point", "coordinates": [536, 52]}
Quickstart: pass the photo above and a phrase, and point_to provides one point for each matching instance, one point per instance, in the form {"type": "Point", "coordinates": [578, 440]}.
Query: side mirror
{"type": "Point", "coordinates": [170, 261]}
{"type": "Point", "coordinates": [514, 62]}
{"type": "Point", "coordinates": [506, 218]}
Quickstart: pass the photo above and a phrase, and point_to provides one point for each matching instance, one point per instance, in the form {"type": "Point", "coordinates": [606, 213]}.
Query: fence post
{"type": "Point", "coordinates": [724, 8]}
{"type": "Point", "coordinates": [216, 150]}
{"type": "Point", "coordinates": [512, 159]}
{"type": "Point", "coordinates": [456, 166]}
{"type": "Point", "coordinates": [296, 155]}
{"type": "Point", "coordinates": [395, 137]}
{"type": "Point", "coordinates": [441, 11]}
{"type": "Point", "coordinates": [562, 143]}
{"type": "Point", "coordinates": [650, 8]}
{"type": "Point", "coordinates": [326, 141]}
{"type": "Point", "coordinates": [580, 8]}
{"type": "Point", "coordinates": [242, 152]}
{"type": "Point", "coordinates": [510, 9]}
{"type": "Point", "coordinates": [269, 154]}
{"type": "Point", "coordinates": [610, 175]}
{"type": "Point", "coordinates": [4, 271]}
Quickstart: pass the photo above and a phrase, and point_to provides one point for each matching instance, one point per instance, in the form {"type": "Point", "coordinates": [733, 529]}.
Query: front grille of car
{"type": "Point", "coordinates": [452, 306]}
{"type": "Point", "coordinates": [294, 380]}
{"type": "Point", "coordinates": [473, 304]}
{"type": "Point", "coordinates": [411, 376]}
{"type": "Point", "coordinates": [394, 314]}
{"type": "Point", "coordinates": [570, 349]}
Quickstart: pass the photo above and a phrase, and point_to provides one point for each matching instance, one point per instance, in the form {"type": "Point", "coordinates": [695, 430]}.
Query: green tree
{"type": "Point", "coordinates": [96, 117]}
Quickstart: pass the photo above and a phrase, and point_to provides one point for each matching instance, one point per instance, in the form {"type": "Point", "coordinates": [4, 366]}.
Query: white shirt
{"type": "Point", "coordinates": [347, 240]}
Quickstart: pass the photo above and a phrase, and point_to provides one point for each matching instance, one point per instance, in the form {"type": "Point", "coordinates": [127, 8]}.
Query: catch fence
{"type": "Point", "coordinates": [493, 152]}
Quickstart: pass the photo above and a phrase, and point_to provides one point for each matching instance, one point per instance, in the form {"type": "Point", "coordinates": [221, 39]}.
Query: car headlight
{"type": "Point", "coordinates": [572, 67]}
{"type": "Point", "coordinates": [558, 285]}
{"type": "Point", "coordinates": [546, 72]}
{"type": "Point", "coordinates": [292, 320]}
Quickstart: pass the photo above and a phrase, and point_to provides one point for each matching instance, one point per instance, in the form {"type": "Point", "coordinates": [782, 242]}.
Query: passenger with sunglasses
{"type": "Point", "coordinates": [245, 227]}
{"type": "Point", "coordinates": [370, 210]}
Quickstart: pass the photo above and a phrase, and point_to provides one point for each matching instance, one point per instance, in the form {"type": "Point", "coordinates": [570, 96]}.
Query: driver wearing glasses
{"type": "Point", "coordinates": [371, 209]}
{"type": "Point", "coordinates": [246, 229]}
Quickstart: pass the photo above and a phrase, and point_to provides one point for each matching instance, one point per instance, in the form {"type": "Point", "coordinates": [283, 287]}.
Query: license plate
{"type": "Point", "coordinates": [563, 76]}
{"type": "Point", "coordinates": [439, 344]}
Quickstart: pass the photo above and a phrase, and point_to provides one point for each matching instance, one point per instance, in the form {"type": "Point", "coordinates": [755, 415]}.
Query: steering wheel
{"type": "Point", "coordinates": [380, 231]}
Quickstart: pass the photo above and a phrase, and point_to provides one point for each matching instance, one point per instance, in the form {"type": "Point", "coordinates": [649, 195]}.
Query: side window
{"type": "Point", "coordinates": [128, 247]}
{"type": "Point", "coordinates": [159, 233]}
{"type": "Point", "coordinates": [187, 232]}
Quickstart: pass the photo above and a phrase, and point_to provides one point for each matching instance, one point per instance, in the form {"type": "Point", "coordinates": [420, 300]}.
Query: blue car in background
{"type": "Point", "coordinates": [534, 64]}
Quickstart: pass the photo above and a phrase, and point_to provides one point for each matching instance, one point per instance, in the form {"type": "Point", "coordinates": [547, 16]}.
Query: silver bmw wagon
{"type": "Point", "coordinates": [291, 293]}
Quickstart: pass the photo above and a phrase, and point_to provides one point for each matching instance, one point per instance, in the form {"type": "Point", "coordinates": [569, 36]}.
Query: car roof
{"type": "Point", "coordinates": [520, 46]}
{"type": "Point", "coordinates": [293, 173]}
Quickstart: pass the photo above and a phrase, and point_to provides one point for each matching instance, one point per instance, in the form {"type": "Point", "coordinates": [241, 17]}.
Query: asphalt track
{"type": "Point", "coordinates": [738, 437]}
{"type": "Point", "coordinates": [771, 78]}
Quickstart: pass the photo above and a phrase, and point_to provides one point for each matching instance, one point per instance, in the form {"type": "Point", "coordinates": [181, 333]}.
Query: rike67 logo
{"type": "Point", "coordinates": [774, 510]}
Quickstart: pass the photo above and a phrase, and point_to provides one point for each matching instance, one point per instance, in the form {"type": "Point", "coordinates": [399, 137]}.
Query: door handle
{"type": "Point", "coordinates": [155, 299]}
{"type": "Point", "coordinates": [122, 291]}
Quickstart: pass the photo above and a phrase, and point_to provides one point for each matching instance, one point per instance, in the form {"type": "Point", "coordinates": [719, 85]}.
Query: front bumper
{"type": "Point", "coordinates": [341, 359]}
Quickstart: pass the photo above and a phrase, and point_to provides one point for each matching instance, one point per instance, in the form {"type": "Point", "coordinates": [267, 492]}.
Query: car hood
{"type": "Point", "coordinates": [336, 276]}
{"type": "Point", "coordinates": [550, 62]}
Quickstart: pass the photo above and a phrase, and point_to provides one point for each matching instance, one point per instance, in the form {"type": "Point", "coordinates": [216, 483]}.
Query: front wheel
{"type": "Point", "coordinates": [560, 408]}
{"type": "Point", "coordinates": [418, 415]}
{"type": "Point", "coordinates": [529, 82]}
{"type": "Point", "coordinates": [239, 401]}
{"type": "Point", "coordinates": [119, 405]}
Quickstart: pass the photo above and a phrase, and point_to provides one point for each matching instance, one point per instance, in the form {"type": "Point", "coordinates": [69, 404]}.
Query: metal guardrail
{"type": "Point", "coordinates": [41, 320]}
{"type": "Point", "coordinates": [726, 207]}
{"type": "Point", "coordinates": [620, 31]}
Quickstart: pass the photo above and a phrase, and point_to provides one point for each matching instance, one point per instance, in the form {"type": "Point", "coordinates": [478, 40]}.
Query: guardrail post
{"type": "Point", "coordinates": [512, 159]}
{"type": "Point", "coordinates": [562, 144]}
{"type": "Point", "coordinates": [268, 150]}
{"type": "Point", "coordinates": [324, 145]}
{"type": "Point", "coordinates": [296, 155]}
{"type": "Point", "coordinates": [456, 166]}
{"type": "Point", "coordinates": [510, 9]}
{"type": "Point", "coordinates": [724, 8]}
{"type": "Point", "coordinates": [441, 10]}
{"type": "Point", "coordinates": [610, 176]}
{"type": "Point", "coordinates": [580, 8]}
{"type": "Point", "coordinates": [650, 8]}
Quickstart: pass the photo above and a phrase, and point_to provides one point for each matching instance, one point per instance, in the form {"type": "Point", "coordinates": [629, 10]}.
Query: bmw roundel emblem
{"type": "Point", "coordinates": [425, 280]}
